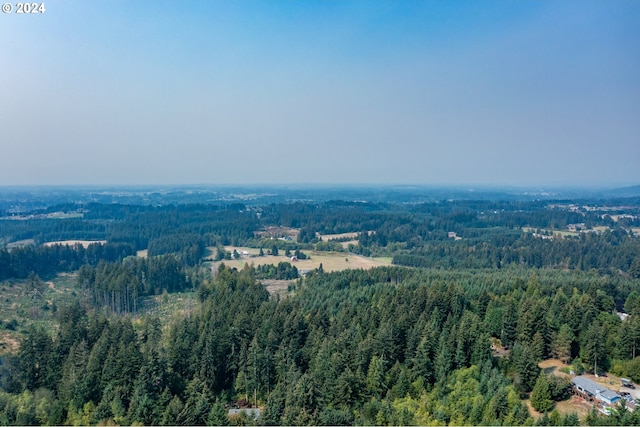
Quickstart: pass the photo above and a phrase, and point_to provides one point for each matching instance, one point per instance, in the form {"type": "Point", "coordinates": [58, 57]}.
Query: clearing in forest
{"type": "Point", "coordinates": [274, 232]}
{"type": "Point", "coordinates": [84, 243]}
{"type": "Point", "coordinates": [345, 244]}
{"type": "Point", "coordinates": [327, 237]}
{"type": "Point", "coordinates": [331, 261]}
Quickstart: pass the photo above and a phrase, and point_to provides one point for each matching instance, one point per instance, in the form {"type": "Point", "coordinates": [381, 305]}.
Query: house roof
{"type": "Point", "coordinates": [595, 389]}
{"type": "Point", "coordinates": [588, 385]}
{"type": "Point", "coordinates": [610, 395]}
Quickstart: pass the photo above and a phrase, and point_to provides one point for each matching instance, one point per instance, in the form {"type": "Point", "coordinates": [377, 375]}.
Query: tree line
{"type": "Point", "coordinates": [119, 286]}
{"type": "Point", "coordinates": [45, 261]}
{"type": "Point", "coordinates": [488, 233]}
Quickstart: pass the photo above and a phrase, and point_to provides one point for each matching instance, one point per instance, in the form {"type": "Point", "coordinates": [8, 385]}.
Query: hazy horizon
{"type": "Point", "coordinates": [428, 93]}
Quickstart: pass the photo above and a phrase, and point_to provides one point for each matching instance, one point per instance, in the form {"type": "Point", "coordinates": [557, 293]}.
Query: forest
{"type": "Point", "coordinates": [480, 294]}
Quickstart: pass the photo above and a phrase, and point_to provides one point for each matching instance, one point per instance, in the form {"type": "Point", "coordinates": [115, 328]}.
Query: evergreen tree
{"type": "Point", "coordinates": [218, 415]}
{"type": "Point", "coordinates": [538, 347]}
{"type": "Point", "coordinates": [526, 367]}
{"type": "Point", "coordinates": [593, 351]}
{"type": "Point", "coordinates": [375, 376]}
{"type": "Point", "coordinates": [172, 413]}
{"type": "Point", "coordinates": [541, 395]}
{"type": "Point", "coordinates": [562, 343]}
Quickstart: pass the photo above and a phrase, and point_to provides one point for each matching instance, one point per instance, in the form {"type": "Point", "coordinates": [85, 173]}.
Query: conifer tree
{"type": "Point", "coordinates": [541, 395]}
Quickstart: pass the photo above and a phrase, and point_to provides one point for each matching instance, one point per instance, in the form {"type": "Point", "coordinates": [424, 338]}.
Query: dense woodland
{"type": "Point", "coordinates": [410, 344]}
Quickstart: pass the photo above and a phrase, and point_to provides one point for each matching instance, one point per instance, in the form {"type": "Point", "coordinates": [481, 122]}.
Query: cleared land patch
{"type": "Point", "coordinates": [342, 236]}
{"type": "Point", "coordinates": [565, 233]}
{"type": "Point", "coordinates": [277, 287]}
{"type": "Point", "coordinates": [331, 261]}
{"type": "Point", "coordinates": [23, 304]}
{"type": "Point", "coordinates": [84, 243]}
{"type": "Point", "coordinates": [166, 306]}
{"type": "Point", "coordinates": [327, 237]}
{"type": "Point", "coordinates": [278, 232]}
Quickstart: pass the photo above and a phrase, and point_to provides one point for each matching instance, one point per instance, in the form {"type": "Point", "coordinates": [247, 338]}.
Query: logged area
{"type": "Point", "coordinates": [246, 311]}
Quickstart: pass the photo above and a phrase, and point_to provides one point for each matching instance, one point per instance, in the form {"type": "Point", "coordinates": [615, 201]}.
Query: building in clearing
{"type": "Point", "coordinates": [594, 392]}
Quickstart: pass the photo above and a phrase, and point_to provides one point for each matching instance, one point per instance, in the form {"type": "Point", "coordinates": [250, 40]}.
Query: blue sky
{"type": "Point", "coordinates": [525, 93]}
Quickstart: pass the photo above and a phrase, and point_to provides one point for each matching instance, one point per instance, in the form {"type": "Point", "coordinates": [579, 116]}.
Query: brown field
{"type": "Point", "coordinates": [142, 254]}
{"type": "Point", "coordinates": [331, 261]}
{"type": "Point", "coordinates": [84, 243]}
{"type": "Point", "coordinates": [553, 366]}
{"type": "Point", "coordinates": [327, 237]}
{"type": "Point", "coordinates": [575, 404]}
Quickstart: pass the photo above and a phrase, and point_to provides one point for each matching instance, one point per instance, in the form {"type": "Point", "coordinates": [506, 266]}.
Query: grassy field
{"type": "Point", "coordinates": [331, 261]}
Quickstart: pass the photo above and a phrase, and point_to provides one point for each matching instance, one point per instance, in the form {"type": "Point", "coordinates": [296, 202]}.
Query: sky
{"type": "Point", "coordinates": [519, 93]}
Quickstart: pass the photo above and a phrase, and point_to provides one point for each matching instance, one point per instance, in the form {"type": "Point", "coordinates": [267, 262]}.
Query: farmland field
{"type": "Point", "coordinates": [331, 261]}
